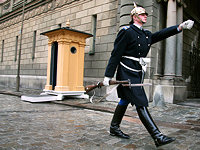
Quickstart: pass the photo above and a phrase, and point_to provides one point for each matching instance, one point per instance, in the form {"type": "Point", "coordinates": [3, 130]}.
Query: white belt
{"type": "Point", "coordinates": [142, 61]}
{"type": "Point", "coordinates": [129, 68]}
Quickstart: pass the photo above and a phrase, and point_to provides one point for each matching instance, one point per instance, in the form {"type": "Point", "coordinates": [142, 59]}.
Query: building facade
{"type": "Point", "coordinates": [174, 62]}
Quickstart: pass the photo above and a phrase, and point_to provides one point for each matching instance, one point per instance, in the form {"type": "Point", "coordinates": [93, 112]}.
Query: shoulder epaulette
{"type": "Point", "coordinates": [126, 27]}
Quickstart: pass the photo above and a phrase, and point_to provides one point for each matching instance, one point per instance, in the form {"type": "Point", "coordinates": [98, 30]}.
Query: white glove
{"type": "Point", "coordinates": [106, 81]}
{"type": "Point", "coordinates": [187, 24]}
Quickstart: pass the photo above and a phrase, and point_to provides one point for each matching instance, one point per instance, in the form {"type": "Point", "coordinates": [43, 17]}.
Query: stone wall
{"type": "Point", "coordinates": [41, 16]}
{"type": "Point", "coordinates": [50, 16]}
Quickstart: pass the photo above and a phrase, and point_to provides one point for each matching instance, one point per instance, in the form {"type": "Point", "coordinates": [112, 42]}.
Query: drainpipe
{"type": "Point", "coordinates": [20, 47]}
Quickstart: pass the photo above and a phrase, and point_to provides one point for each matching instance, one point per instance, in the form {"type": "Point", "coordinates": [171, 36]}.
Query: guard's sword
{"type": "Point", "coordinates": [135, 85]}
{"type": "Point", "coordinates": [125, 85]}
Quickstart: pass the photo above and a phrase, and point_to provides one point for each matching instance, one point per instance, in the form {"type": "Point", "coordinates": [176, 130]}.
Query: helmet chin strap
{"type": "Point", "coordinates": [139, 18]}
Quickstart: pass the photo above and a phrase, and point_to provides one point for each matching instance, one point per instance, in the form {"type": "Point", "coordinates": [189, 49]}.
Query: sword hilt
{"type": "Point", "coordinates": [129, 82]}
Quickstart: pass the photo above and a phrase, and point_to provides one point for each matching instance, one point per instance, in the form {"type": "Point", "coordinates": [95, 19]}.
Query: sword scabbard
{"type": "Point", "coordinates": [135, 85]}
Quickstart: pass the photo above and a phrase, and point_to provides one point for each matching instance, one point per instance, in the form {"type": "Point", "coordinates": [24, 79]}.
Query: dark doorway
{"type": "Point", "coordinates": [53, 71]}
{"type": "Point", "coordinates": [195, 72]}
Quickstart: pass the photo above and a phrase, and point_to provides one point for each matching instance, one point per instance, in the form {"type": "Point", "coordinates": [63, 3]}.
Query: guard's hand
{"type": "Point", "coordinates": [187, 24]}
{"type": "Point", "coordinates": [106, 81]}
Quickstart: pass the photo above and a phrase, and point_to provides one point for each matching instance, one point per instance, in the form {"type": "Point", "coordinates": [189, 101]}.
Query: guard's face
{"type": "Point", "coordinates": [140, 19]}
{"type": "Point", "coordinates": [143, 17]}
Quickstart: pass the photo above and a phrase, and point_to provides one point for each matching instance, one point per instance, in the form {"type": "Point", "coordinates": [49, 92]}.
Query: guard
{"type": "Point", "coordinates": [130, 48]}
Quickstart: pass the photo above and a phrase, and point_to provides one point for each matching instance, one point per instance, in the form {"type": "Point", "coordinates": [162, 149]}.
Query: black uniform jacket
{"type": "Point", "coordinates": [134, 42]}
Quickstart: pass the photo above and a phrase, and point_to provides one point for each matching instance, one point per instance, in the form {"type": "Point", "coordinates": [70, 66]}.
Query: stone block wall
{"type": "Point", "coordinates": [50, 16]}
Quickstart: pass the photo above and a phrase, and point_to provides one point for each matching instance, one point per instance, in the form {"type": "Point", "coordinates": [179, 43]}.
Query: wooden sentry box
{"type": "Point", "coordinates": [65, 68]}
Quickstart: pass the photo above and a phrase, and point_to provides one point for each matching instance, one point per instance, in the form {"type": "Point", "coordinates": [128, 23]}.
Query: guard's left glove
{"type": "Point", "coordinates": [187, 24]}
{"type": "Point", "coordinates": [106, 81]}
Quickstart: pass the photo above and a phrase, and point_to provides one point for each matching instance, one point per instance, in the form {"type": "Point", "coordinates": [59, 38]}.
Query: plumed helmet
{"type": "Point", "coordinates": [138, 10]}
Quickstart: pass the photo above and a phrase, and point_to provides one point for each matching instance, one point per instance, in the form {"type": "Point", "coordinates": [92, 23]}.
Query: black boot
{"type": "Point", "coordinates": [151, 127]}
{"type": "Point", "coordinates": [115, 123]}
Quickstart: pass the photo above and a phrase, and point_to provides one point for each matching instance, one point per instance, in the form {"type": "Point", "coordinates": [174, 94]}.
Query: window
{"type": "Point", "coordinates": [94, 28]}
{"type": "Point", "coordinates": [16, 48]}
{"type": "Point", "coordinates": [2, 49]}
{"type": "Point", "coordinates": [34, 44]}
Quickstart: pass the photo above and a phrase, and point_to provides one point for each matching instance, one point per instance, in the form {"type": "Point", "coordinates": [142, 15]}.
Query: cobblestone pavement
{"type": "Point", "coordinates": [79, 125]}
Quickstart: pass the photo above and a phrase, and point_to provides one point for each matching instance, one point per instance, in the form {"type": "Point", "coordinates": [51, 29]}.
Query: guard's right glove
{"type": "Point", "coordinates": [187, 24]}
{"type": "Point", "coordinates": [106, 81]}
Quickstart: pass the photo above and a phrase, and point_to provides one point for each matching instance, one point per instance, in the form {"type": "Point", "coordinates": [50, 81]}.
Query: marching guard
{"type": "Point", "coordinates": [131, 46]}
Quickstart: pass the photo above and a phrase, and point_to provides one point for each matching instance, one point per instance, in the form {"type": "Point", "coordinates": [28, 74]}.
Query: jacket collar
{"type": "Point", "coordinates": [139, 27]}
{"type": "Point", "coordinates": [136, 28]}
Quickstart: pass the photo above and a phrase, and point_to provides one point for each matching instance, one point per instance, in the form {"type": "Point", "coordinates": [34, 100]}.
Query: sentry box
{"type": "Point", "coordinates": [65, 62]}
